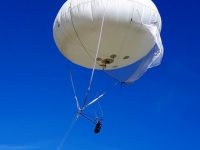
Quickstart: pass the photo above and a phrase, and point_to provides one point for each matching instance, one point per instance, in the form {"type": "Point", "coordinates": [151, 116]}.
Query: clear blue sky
{"type": "Point", "coordinates": [158, 112]}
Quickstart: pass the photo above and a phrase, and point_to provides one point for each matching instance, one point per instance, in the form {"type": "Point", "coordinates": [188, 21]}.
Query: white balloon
{"type": "Point", "coordinates": [125, 37]}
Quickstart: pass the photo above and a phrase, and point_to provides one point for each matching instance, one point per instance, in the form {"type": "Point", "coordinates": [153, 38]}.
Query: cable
{"type": "Point", "coordinates": [99, 96]}
{"type": "Point", "coordinates": [77, 104]}
{"type": "Point", "coordinates": [77, 33]}
{"type": "Point", "coordinates": [67, 133]}
{"type": "Point", "coordinates": [88, 90]}
{"type": "Point", "coordinates": [100, 109]}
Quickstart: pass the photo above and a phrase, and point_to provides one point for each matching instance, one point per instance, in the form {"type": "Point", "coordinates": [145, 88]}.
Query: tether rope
{"type": "Point", "coordinates": [77, 33]}
{"type": "Point", "coordinates": [100, 109]}
{"type": "Point", "coordinates": [99, 96]}
{"type": "Point", "coordinates": [77, 104]}
{"type": "Point", "coordinates": [67, 133]}
{"type": "Point", "coordinates": [88, 90]}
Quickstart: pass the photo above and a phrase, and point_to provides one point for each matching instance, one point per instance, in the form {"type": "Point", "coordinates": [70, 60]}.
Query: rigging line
{"type": "Point", "coordinates": [88, 90]}
{"type": "Point", "coordinates": [87, 115]}
{"type": "Point", "coordinates": [88, 118]}
{"type": "Point", "coordinates": [124, 39]}
{"type": "Point", "coordinates": [77, 104]}
{"type": "Point", "coordinates": [95, 108]}
{"type": "Point", "coordinates": [100, 81]}
{"type": "Point", "coordinates": [111, 76]}
{"type": "Point", "coordinates": [100, 96]}
{"type": "Point", "coordinates": [78, 36]}
{"type": "Point", "coordinates": [100, 109]}
{"type": "Point", "coordinates": [67, 133]}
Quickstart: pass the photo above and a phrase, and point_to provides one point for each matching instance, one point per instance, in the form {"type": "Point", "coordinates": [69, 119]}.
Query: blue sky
{"type": "Point", "coordinates": [158, 112]}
